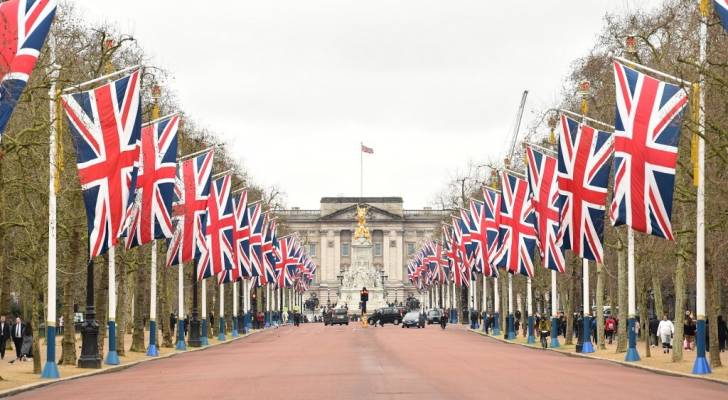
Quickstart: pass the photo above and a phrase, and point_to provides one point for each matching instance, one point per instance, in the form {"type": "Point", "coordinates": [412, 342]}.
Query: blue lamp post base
{"type": "Point", "coordinates": [152, 350]}
{"type": "Point", "coordinates": [531, 338]}
{"type": "Point", "coordinates": [221, 334]}
{"type": "Point", "coordinates": [267, 319]}
{"type": "Point", "coordinates": [235, 327]}
{"type": "Point", "coordinates": [632, 354]}
{"type": "Point", "coordinates": [50, 369]}
{"type": "Point", "coordinates": [509, 326]}
{"type": "Point", "coordinates": [587, 346]}
{"type": "Point", "coordinates": [701, 366]}
{"type": "Point", "coordinates": [203, 336]}
{"type": "Point", "coordinates": [112, 357]}
{"type": "Point", "coordinates": [555, 333]}
{"type": "Point", "coordinates": [496, 324]}
{"type": "Point", "coordinates": [181, 345]}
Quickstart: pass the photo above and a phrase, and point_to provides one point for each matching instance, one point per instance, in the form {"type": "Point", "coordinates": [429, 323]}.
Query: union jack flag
{"type": "Point", "coordinates": [289, 261]}
{"type": "Point", "coordinates": [721, 6]}
{"type": "Point", "coordinates": [25, 26]}
{"type": "Point", "coordinates": [217, 254]}
{"type": "Point", "coordinates": [492, 199]}
{"type": "Point", "coordinates": [448, 251]}
{"type": "Point", "coordinates": [151, 214]}
{"type": "Point", "coordinates": [517, 233]}
{"type": "Point", "coordinates": [191, 193]}
{"type": "Point", "coordinates": [255, 252]}
{"type": "Point", "coordinates": [462, 268]}
{"type": "Point", "coordinates": [544, 193]}
{"type": "Point", "coordinates": [269, 249]}
{"type": "Point", "coordinates": [241, 234]}
{"type": "Point", "coordinates": [485, 232]}
{"type": "Point", "coordinates": [106, 126]}
{"type": "Point", "coordinates": [584, 161]}
{"type": "Point", "coordinates": [469, 228]}
{"type": "Point", "coordinates": [646, 135]}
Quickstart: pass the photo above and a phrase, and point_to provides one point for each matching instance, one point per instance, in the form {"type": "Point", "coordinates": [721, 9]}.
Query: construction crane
{"type": "Point", "coordinates": [517, 124]}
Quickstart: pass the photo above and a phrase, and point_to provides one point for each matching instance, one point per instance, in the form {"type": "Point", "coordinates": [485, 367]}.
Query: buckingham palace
{"type": "Point", "coordinates": [396, 233]}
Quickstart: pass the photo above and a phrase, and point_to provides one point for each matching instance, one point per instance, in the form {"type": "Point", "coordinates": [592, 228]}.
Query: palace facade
{"type": "Point", "coordinates": [396, 234]}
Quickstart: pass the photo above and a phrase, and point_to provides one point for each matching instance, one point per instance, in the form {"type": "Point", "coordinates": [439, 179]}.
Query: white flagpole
{"type": "Point", "coordinates": [152, 350]}
{"type": "Point", "coordinates": [50, 369]}
{"type": "Point", "coordinates": [701, 365]}
{"type": "Point", "coordinates": [554, 312]}
{"type": "Point", "coordinates": [112, 357]}
{"type": "Point", "coordinates": [529, 310]}
{"type": "Point", "coordinates": [235, 309]}
{"type": "Point", "coordinates": [509, 323]}
{"type": "Point", "coordinates": [181, 345]}
{"type": "Point", "coordinates": [496, 307]}
{"type": "Point", "coordinates": [221, 334]}
{"type": "Point", "coordinates": [203, 300]}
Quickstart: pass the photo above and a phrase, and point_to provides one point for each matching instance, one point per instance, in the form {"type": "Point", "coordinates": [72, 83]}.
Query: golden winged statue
{"type": "Point", "coordinates": [362, 230]}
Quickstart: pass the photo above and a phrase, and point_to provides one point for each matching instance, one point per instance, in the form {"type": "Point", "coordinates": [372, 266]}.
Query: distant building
{"type": "Point", "coordinates": [396, 234]}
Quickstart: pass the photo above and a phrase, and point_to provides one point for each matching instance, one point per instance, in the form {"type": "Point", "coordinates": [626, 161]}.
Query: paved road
{"type": "Point", "coordinates": [317, 362]}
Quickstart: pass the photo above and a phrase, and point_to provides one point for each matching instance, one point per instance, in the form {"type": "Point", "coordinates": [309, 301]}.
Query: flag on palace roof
{"type": "Point", "coordinates": [217, 255]}
{"type": "Point", "coordinates": [721, 7]}
{"type": "Point", "coordinates": [106, 126]}
{"type": "Point", "coordinates": [646, 137]}
{"type": "Point", "coordinates": [517, 233]}
{"type": "Point", "coordinates": [151, 214]}
{"type": "Point", "coordinates": [583, 174]}
{"type": "Point", "coordinates": [189, 209]}
{"type": "Point", "coordinates": [366, 149]}
{"type": "Point", "coordinates": [25, 26]}
{"type": "Point", "coordinates": [546, 200]}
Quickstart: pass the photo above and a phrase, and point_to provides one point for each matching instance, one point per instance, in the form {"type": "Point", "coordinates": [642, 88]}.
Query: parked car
{"type": "Point", "coordinates": [413, 318]}
{"type": "Point", "coordinates": [339, 317]}
{"type": "Point", "coordinates": [433, 316]}
{"type": "Point", "coordinates": [386, 315]}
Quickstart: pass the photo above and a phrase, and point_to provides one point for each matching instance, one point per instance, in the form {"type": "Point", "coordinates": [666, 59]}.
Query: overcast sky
{"type": "Point", "coordinates": [428, 84]}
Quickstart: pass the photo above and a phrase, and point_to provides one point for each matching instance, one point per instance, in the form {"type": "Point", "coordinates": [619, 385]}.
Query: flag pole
{"type": "Point", "coordinates": [112, 357]}
{"type": "Point", "coordinates": [50, 369]}
{"type": "Point", "coordinates": [221, 333]}
{"type": "Point", "coordinates": [586, 346]}
{"type": "Point", "coordinates": [152, 351]}
{"type": "Point", "coordinates": [203, 300]}
{"type": "Point", "coordinates": [701, 366]}
{"type": "Point", "coordinates": [181, 345]}
{"type": "Point", "coordinates": [361, 172]}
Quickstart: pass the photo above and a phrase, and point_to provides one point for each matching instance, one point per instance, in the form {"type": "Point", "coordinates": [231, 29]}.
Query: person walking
{"type": "Point", "coordinates": [27, 349]}
{"type": "Point", "coordinates": [172, 322]}
{"type": "Point", "coordinates": [18, 333]}
{"type": "Point", "coordinates": [4, 335]}
{"type": "Point", "coordinates": [722, 333]}
{"type": "Point", "coordinates": [665, 330]}
{"type": "Point", "coordinates": [544, 328]}
{"type": "Point", "coordinates": [610, 326]}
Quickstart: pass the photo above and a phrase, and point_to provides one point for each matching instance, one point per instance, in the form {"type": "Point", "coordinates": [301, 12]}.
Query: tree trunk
{"type": "Point", "coordinates": [600, 307]}
{"type": "Point", "coordinates": [677, 348]}
{"type": "Point", "coordinates": [713, 309]}
{"type": "Point", "coordinates": [657, 290]}
{"type": "Point", "coordinates": [644, 320]}
{"type": "Point", "coordinates": [36, 317]}
{"type": "Point", "coordinates": [102, 301]}
{"type": "Point", "coordinates": [121, 300]}
{"type": "Point", "coordinates": [165, 309]}
{"type": "Point", "coordinates": [68, 344]}
{"type": "Point", "coordinates": [140, 289]}
{"type": "Point", "coordinates": [621, 296]}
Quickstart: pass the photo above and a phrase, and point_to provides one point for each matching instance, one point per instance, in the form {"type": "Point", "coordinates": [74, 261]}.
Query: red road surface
{"type": "Point", "coordinates": [317, 362]}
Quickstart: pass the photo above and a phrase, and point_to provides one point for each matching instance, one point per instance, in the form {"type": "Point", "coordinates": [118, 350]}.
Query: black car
{"type": "Point", "coordinates": [434, 316]}
{"type": "Point", "coordinates": [339, 317]}
{"type": "Point", "coordinates": [414, 318]}
{"type": "Point", "coordinates": [386, 315]}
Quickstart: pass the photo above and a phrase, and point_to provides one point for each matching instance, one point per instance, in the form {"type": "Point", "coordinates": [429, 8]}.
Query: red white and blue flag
{"type": "Point", "coordinates": [106, 126]}
{"type": "Point", "coordinates": [151, 215]}
{"type": "Point", "coordinates": [517, 233]}
{"type": "Point", "coordinates": [485, 233]}
{"type": "Point", "coordinates": [217, 254]}
{"type": "Point", "coordinates": [270, 250]}
{"type": "Point", "coordinates": [646, 136]}
{"type": "Point", "coordinates": [462, 268]}
{"type": "Point", "coordinates": [256, 217]}
{"type": "Point", "coordinates": [25, 26]}
{"type": "Point", "coordinates": [191, 192]}
{"type": "Point", "coordinates": [583, 174]}
{"type": "Point", "coordinates": [448, 252]}
{"type": "Point", "coordinates": [721, 7]}
{"type": "Point", "coordinates": [241, 234]}
{"type": "Point", "coordinates": [546, 200]}
{"type": "Point", "coordinates": [287, 265]}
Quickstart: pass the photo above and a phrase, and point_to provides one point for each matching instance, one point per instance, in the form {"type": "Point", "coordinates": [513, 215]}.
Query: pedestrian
{"type": "Point", "coordinates": [18, 333]}
{"type": "Point", "coordinates": [544, 329]}
{"type": "Point", "coordinates": [186, 323]}
{"type": "Point", "coordinates": [27, 349]}
{"type": "Point", "coordinates": [610, 326]}
{"type": "Point", "coordinates": [4, 335]}
{"type": "Point", "coordinates": [172, 322]}
{"type": "Point", "coordinates": [665, 330]}
{"type": "Point", "coordinates": [261, 320]}
{"type": "Point", "coordinates": [689, 331]}
{"type": "Point", "coordinates": [60, 325]}
{"type": "Point", "coordinates": [654, 338]}
{"type": "Point", "coordinates": [211, 318]}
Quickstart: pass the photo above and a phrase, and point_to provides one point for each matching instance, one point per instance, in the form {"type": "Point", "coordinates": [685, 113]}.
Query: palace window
{"type": "Point", "coordinates": [345, 249]}
{"type": "Point", "coordinates": [377, 249]}
{"type": "Point", "coordinates": [410, 248]}
{"type": "Point", "coordinates": [312, 249]}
